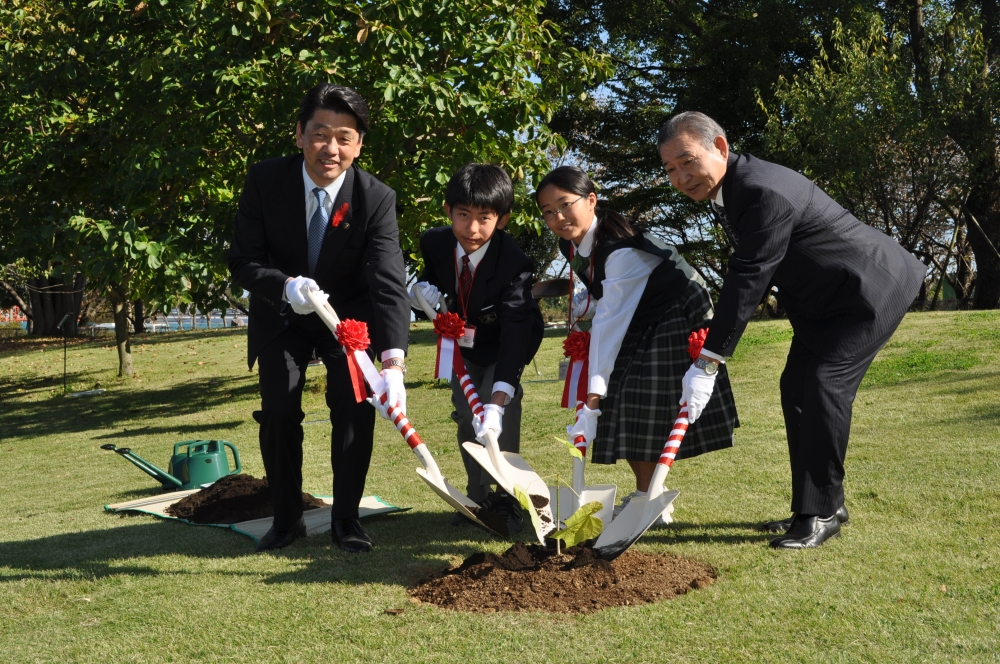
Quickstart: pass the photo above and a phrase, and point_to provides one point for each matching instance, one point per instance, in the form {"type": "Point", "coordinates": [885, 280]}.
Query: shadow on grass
{"type": "Point", "coordinates": [115, 407]}
{"type": "Point", "coordinates": [18, 345]}
{"type": "Point", "coordinates": [409, 547]}
{"type": "Point", "coordinates": [194, 429]}
{"type": "Point", "coordinates": [709, 533]}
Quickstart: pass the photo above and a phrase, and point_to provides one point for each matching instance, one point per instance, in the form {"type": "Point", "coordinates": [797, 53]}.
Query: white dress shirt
{"type": "Point", "coordinates": [474, 259]}
{"type": "Point", "coordinates": [332, 190]}
{"type": "Point", "coordinates": [625, 275]}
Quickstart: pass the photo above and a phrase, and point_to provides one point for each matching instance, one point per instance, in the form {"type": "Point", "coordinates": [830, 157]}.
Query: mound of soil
{"type": "Point", "coordinates": [534, 578]}
{"type": "Point", "coordinates": [232, 499]}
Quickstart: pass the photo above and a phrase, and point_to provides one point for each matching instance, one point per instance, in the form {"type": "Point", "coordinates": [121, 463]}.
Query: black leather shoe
{"type": "Point", "coordinates": [349, 536]}
{"type": "Point", "coordinates": [279, 539]}
{"type": "Point", "coordinates": [808, 532]}
{"type": "Point", "coordinates": [783, 525]}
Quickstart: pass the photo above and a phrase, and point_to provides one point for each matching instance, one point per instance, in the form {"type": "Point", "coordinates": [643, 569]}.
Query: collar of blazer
{"type": "Point", "coordinates": [484, 272]}
{"type": "Point", "coordinates": [334, 239]}
{"type": "Point", "coordinates": [729, 177]}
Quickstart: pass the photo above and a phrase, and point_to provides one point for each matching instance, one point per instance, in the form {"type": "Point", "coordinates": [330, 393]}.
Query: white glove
{"type": "Point", "coordinates": [492, 420]}
{"type": "Point", "coordinates": [293, 293]}
{"type": "Point", "coordinates": [395, 392]}
{"type": "Point", "coordinates": [584, 306]}
{"type": "Point", "coordinates": [697, 389]}
{"type": "Point", "coordinates": [430, 293]}
{"type": "Point", "coordinates": [585, 425]}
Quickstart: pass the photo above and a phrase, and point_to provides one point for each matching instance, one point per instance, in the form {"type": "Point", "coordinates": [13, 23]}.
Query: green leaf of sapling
{"type": "Point", "coordinates": [581, 526]}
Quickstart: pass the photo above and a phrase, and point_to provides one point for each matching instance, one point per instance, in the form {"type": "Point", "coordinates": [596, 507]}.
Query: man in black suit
{"type": "Point", "coordinates": [844, 285]}
{"type": "Point", "coordinates": [315, 220]}
{"type": "Point", "coordinates": [496, 305]}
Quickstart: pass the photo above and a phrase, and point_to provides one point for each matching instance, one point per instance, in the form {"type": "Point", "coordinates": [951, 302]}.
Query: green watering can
{"type": "Point", "coordinates": [193, 464]}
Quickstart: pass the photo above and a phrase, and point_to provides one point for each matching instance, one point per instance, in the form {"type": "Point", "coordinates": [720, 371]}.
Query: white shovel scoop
{"type": "Point", "coordinates": [507, 468]}
{"type": "Point", "coordinates": [640, 513]}
{"type": "Point", "coordinates": [430, 472]}
{"type": "Point", "coordinates": [581, 494]}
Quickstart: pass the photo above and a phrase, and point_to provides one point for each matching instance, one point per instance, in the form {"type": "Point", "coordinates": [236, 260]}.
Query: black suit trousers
{"type": "Point", "coordinates": [817, 398]}
{"type": "Point", "coordinates": [282, 369]}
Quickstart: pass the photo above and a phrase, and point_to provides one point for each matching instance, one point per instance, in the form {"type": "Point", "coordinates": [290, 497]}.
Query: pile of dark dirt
{"type": "Point", "coordinates": [535, 578]}
{"type": "Point", "coordinates": [232, 499]}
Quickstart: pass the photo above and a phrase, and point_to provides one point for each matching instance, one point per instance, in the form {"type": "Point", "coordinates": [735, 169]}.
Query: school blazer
{"type": "Point", "coordinates": [843, 283]}
{"type": "Point", "coordinates": [360, 263]}
{"type": "Point", "coordinates": [507, 319]}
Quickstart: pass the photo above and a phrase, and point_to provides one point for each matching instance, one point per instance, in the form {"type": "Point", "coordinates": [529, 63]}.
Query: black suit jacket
{"type": "Point", "coordinates": [507, 319]}
{"type": "Point", "coordinates": [360, 264]}
{"type": "Point", "coordinates": [843, 283]}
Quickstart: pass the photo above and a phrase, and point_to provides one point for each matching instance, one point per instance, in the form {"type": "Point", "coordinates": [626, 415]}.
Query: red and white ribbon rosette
{"type": "Point", "coordinates": [577, 348]}
{"type": "Point", "coordinates": [450, 328]}
{"type": "Point", "coordinates": [696, 340]}
{"type": "Point", "coordinates": [353, 336]}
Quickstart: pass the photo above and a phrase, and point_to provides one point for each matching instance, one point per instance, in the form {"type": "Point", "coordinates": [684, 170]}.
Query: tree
{"type": "Point", "coordinates": [132, 125]}
{"type": "Point", "coordinates": [718, 57]}
{"type": "Point", "coordinates": [955, 50]}
{"type": "Point", "coordinates": [852, 123]}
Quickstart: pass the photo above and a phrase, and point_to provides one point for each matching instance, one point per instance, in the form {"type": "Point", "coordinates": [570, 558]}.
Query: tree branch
{"type": "Point", "coordinates": [17, 298]}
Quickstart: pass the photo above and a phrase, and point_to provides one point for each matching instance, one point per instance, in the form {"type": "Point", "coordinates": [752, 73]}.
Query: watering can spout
{"type": "Point", "coordinates": [166, 479]}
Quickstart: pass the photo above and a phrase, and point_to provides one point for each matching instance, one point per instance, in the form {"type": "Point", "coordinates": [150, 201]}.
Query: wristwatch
{"type": "Point", "coordinates": [394, 362]}
{"type": "Point", "coordinates": [707, 366]}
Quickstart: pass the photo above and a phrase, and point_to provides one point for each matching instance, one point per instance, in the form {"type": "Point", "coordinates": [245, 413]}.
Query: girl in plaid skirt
{"type": "Point", "coordinates": [645, 300]}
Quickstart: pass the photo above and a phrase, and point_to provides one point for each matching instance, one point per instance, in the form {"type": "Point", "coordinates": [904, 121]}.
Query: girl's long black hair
{"type": "Point", "coordinates": [612, 226]}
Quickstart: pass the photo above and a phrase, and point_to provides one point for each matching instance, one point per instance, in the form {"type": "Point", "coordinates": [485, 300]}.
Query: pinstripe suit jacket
{"type": "Point", "coordinates": [843, 283]}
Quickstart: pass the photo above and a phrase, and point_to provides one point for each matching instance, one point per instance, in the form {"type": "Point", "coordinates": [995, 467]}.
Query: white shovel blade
{"type": "Point", "coordinates": [631, 524]}
{"type": "Point", "coordinates": [569, 502]}
{"type": "Point", "coordinates": [517, 472]}
{"type": "Point", "coordinates": [454, 497]}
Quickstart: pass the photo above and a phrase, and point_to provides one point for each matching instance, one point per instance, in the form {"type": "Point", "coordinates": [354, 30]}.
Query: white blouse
{"type": "Point", "coordinates": [625, 275]}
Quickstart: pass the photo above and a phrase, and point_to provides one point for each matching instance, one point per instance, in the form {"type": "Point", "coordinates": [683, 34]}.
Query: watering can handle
{"type": "Point", "coordinates": [236, 458]}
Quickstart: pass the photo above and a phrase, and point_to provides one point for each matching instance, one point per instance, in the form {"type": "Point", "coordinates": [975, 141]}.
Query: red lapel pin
{"type": "Point", "coordinates": [339, 215]}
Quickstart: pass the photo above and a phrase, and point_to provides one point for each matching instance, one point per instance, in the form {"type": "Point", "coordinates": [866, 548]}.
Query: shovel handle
{"type": "Point", "coordinates": [398, 418]}
{"type": "Point", "coordinates": [681, 424]}
{"type": "Point", "coordinates": [424, 304]}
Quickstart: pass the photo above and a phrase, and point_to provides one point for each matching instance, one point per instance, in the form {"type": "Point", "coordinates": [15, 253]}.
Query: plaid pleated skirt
{"type": "Point", "coordinates": [641, 405]}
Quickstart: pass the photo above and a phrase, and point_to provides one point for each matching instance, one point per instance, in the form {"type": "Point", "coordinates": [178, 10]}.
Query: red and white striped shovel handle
{"type": "Point", "coordinates": [681, 424]}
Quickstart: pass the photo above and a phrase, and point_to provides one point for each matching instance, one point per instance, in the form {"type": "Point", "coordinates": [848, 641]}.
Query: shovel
{"type": "Point", "coordinates": [640, 513]}
{"type": "Point", "coordinates": [581, 494]}
{"type": "Point", "coordinates": [430, 472]}
{"type": "Point", "coordinates": [507, 468]}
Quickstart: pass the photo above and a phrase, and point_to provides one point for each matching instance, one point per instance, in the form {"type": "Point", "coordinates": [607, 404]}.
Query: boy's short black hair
{"type": "Point", "coordinates": [483, 186]}
{"type": "Point", "coordinates": [336, 98]}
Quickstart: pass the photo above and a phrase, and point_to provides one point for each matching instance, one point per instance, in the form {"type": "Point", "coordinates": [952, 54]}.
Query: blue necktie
{"type": "Point", "coordinates": [317, 228]}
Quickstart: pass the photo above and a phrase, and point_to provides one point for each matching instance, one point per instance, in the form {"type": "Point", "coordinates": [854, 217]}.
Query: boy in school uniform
{"type": "Point", "coordinates": [476, 270]}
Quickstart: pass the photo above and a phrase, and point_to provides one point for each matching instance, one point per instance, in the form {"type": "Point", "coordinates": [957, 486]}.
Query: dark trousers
{"type": "Point", "coordinates": [282, 368]}
{"type": "Point", "coordinates": [817, 398]}
{"type": "Point", "coordinates": [510, 438]}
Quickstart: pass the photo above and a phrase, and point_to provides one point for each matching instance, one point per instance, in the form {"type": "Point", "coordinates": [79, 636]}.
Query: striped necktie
{"type": "Point", "coordinates": [724, 222]}
{"type": "Point", "coordinates": [465, 280]}
{"type": "Point", "coordinates": [317, 228]}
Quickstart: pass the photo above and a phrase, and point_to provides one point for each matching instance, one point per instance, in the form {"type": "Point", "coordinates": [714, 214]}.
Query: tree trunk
{"type": "Point", "coordinates": [79, 284]}
{"type": "Point", "coordinates": [36, 307]}
{"type": "Point", "coordinates": [137, 317]}
{"type": "Point", "coordinates": [987, 291]}
{"type": "Point", "coordinates": [122, 341]}
{"type": "Point", "coordinates": [48, 311]}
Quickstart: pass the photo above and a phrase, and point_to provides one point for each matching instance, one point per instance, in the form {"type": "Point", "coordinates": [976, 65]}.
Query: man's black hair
{"type": "Point", "coordinates": [481, 186]}
{"type": "Point", "coordinates": [336, 98]}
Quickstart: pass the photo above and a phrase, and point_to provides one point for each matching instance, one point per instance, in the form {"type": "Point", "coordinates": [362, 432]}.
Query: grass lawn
{"type": "Point", "coordinates": [915, 576]}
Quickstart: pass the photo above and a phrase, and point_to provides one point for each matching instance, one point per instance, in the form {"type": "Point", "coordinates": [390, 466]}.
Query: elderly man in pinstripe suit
{"type": "Point", "coordinates": [844, 285]}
